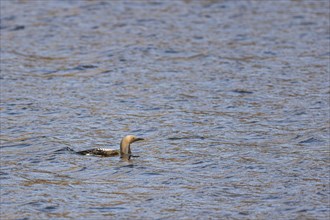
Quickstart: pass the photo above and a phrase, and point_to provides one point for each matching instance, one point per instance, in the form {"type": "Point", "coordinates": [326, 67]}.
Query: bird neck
{"type": "Point", "coordinates": [125, 148]}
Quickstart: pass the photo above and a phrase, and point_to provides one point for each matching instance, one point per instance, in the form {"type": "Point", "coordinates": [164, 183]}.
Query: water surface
{"type": "Point", "coordinates": [232, 97]}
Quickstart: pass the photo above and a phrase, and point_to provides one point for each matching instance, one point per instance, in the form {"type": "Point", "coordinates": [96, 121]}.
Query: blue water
{"type": "Point", "coordinates": [232, 98]}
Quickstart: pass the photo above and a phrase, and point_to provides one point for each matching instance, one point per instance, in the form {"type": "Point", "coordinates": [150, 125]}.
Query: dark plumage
{"type": "Point", "coordinates": [100, 151]}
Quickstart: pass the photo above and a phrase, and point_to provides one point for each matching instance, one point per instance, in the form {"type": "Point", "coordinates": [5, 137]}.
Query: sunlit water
{"type": "Point", "coordinates": [231, 96]}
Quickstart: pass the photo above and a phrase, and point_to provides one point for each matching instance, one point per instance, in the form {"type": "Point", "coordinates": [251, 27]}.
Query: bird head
{"type": "Point", "coordinates": [125, 148]}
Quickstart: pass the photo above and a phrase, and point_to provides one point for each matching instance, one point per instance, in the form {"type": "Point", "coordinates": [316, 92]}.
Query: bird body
{"type": "Point", "coordinates": [100, 151]}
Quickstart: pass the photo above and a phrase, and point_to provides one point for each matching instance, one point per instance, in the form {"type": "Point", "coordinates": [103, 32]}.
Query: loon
{"type": "Point", "coordinates": [124, 152]}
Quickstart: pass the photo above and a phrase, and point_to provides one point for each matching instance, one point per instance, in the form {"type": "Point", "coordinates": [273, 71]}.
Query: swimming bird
{"type": "Point", "coordinates": [124, 151]}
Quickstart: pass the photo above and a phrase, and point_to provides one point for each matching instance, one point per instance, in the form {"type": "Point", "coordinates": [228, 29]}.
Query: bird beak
{"type": "Point", "coordinates": [138, 139]}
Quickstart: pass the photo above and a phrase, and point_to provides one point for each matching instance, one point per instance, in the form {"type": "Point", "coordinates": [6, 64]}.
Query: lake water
{"type": "Point", "coordinates": [231, 96]}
